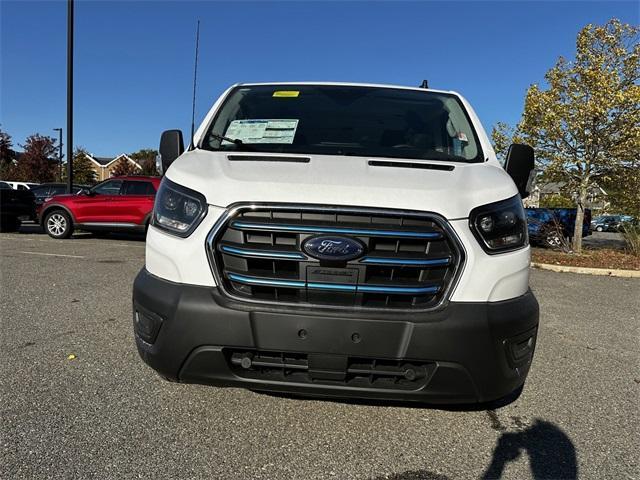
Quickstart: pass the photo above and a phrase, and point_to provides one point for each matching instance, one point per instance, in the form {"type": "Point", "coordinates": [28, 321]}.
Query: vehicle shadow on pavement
{"type": "Point", "coordinates": [30, 229]}
{"type": "Point", "coordinates": [551, 453]}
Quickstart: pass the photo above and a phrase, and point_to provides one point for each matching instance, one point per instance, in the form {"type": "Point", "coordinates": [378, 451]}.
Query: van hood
{"type": "Point", "coordinates": [225, 178]}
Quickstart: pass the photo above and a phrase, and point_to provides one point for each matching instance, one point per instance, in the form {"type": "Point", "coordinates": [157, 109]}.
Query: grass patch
{"type": "Point", "coordinates": [596, 258]}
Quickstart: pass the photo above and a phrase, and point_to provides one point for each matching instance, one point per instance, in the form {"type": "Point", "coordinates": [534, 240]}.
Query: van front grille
{"type": "Point", "coordinates": [409, 259]}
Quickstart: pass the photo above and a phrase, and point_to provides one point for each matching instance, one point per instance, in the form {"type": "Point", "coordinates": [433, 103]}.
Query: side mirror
{"type": "Point", "coordinates": [171, 147]}
{"type": "Point", "coordinates": [520, 165]}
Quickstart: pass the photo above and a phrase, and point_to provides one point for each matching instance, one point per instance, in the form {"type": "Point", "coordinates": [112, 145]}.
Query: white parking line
{"type": "Point", "coordinates": [84, 242]}
{"type": "Point", "coordinates": [52, 254]}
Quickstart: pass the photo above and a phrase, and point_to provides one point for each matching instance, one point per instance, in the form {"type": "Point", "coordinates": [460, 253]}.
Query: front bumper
{"type": "Point", "coordinates": [462, 353]}
{"type": "Point", "coordinates": [16, 210]}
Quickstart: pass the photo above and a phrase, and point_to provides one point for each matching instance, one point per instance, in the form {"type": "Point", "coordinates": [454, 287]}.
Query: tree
{"type": "Point", "coordinates": [146, 158]}
{"type": "Point", "coordinates": [6, 156]}
{"type": "Point", "coordinates": [623, 189]}
{"type": "Point", "coordinates": [124, 167]}
{"type": "Point", "coordinates": [556, 200]}
{"type": "Point", "coordinates": [502, 135]}
{"type": "Point", "coordinates": [585, 127]}
{"type": "Point", "coordinates": [37, 163]}
{"type": "Point", "coordinates": [83, 171]}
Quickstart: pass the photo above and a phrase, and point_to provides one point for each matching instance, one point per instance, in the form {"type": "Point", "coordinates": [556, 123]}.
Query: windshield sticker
{"type": "Point", "coordinates": [262, 131]}
{"type": "Point", "coordinates": [286, 93]}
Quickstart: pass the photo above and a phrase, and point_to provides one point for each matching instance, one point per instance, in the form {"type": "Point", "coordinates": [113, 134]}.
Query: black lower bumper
{"type": "Point", "coordinates": [464, 353]}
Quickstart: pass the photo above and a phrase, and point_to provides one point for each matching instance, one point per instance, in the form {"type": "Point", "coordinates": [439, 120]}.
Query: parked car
{"type": "Point", "coordinates": [117, 204]}
{"type": "Point", "coordinates": [45, 191]}
{"type": "Point", "coordinates": [14, 204]}
{"type": "Point", "coordinates": [627, 221]}
{"type": "Point", "coordinates": [607, 223]}
{"type": "Point", "coordinates": [22, 185]}
{"type": "Point", "coordinates": [341, 240]}
{"type": "Point", "coordinates": [548, 226]}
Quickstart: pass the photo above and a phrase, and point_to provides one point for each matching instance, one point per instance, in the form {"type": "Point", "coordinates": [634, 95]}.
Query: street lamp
{"type": "Point", "coordinates": [69, 96]}
{"type": "Point", "coordinates": [59, 130]}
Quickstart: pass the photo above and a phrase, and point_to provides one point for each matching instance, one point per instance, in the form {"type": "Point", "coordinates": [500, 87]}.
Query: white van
{"type": "Point", "coordinates": [22, 185]}
{"type": "Point", "coordinates": [346, 240]}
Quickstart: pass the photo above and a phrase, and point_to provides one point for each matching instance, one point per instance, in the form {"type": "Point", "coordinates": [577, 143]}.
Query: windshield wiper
{"type": "Point", "coordinates": [235, 141]}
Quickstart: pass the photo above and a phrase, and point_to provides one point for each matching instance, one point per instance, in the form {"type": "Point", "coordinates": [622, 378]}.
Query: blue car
{"type": "Point", "coordinates": [548, 226]}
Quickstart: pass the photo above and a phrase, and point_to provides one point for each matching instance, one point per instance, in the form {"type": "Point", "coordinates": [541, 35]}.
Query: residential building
{"type": "Point", "coordinates": [597, 198]}
{"type": "Point", "coordinates": [103, 166]}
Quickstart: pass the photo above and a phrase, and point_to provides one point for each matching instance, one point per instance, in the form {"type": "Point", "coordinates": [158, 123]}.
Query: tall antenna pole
{"type": "Point", "coordinates": [195, 77]}
{"type": "Point", "coordinates": [69, 96]}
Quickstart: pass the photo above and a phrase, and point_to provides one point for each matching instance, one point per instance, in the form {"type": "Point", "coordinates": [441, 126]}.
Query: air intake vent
{"type": "Point", "coordinates": [424, 166]}
{"type": "Point", "coordinates": [266, 158]}
{"type": "Point", "coordinates": [357, 372]}
{"type": "Point", "coordinates": [408, 259]}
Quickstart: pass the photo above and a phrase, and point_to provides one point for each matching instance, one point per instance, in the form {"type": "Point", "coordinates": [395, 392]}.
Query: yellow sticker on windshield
{"type": "Point", "coordinates": [286, 93]}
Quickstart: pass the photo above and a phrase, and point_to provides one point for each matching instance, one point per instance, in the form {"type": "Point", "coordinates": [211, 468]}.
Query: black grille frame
{"type": "Point", "coordinates": [236, 211]}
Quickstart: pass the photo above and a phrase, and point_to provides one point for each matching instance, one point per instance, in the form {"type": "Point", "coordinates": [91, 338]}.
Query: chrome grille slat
{"type": "Point", "coordinates": [378, 288]}
{"type": "Point", "coordinates": [396, 260]}
{"type": "Point", "coordinates": [351, 230]}
{"type": "Point", "coordinates": [270, 253]}
{"type": "Point", "coordinates": [411, 258]}
{"type": "Point", "coordinates": [407, 262]}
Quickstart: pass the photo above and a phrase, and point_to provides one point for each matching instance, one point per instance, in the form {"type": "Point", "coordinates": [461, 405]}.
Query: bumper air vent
{"type": "Point", "coordinates": [356, 372]}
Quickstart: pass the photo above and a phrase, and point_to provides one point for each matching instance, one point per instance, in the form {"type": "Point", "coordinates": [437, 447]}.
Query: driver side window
{"type": "Point", "coordinates": [110, 187]}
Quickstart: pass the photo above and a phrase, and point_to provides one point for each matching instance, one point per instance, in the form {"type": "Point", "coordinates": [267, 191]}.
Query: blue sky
{"type": "Point", "coordinates": [134, 60]}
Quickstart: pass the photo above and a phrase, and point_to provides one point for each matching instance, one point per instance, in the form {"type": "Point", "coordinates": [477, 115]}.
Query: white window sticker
{"type": "Point", "coordinates": [262, 131]}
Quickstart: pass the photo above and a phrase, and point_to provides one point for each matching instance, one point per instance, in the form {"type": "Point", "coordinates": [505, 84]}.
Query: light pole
{"type": "Point", "coordinates": [69, 96]}
{"type": "Point", "coordinates": [59, 130]}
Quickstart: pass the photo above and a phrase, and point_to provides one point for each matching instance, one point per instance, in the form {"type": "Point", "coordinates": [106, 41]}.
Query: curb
{"type": "Point", "coordinates": [607, 272]}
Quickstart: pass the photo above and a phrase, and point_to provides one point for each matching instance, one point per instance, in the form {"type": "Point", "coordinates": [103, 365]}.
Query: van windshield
{"type": "Point", "coordinates": [344, 120]}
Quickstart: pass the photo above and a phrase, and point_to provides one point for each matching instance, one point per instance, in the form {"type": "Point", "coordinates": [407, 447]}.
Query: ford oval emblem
{"type": "Point", "coordinates": [333, 248]}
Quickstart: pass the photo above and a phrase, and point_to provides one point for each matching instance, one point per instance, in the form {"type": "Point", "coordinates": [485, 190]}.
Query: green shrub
{"type": "Point", "coordinates": [631, 235]}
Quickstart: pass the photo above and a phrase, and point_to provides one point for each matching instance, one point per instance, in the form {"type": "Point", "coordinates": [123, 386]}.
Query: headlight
{"type": "Point", "coordinates": [177, 209]}
{"type": "Point", "coordinates": [500, 226]}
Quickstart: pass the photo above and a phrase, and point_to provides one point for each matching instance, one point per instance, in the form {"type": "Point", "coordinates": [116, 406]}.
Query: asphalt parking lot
{"type": "Point", "coordinates": [104, 414]}
{"type": "Point", "coordinates": [612, 240]}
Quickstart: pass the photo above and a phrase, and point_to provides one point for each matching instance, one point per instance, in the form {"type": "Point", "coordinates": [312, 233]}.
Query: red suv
{"type": "Point", "coordinates": [117, 204]}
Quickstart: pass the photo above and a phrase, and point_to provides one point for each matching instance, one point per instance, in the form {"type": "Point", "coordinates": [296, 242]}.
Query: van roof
{"type": "Point", "coordinates": [349, 84]}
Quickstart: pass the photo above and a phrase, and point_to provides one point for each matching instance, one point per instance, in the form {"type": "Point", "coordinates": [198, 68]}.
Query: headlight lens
{"type": "Point", "coordinates": [500, 226]}
{"type": "Point", "coordinates": [178, 210]}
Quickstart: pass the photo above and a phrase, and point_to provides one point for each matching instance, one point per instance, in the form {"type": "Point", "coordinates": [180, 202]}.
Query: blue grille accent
{"type": "Point", "coordinates": [413, 262]}
{"type": "Point", "coordinates": [385, 290]}
{"type": "Point", "coordinates": [268, 282]}
{"type": "Point", "coordinates": [343, 230]}
{"type": "Point", "coordinates": [246, 252]}
{"type": "Point", "coordinates": [381, 289]}
{"type": "Point", "coordinates": [331, 286]}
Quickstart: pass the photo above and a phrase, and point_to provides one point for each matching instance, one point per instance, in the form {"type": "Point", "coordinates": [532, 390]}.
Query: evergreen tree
{"type": "Point", "coordinates": [124, 167]}
{"type": "Point", "coordinates": [83, 170]}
